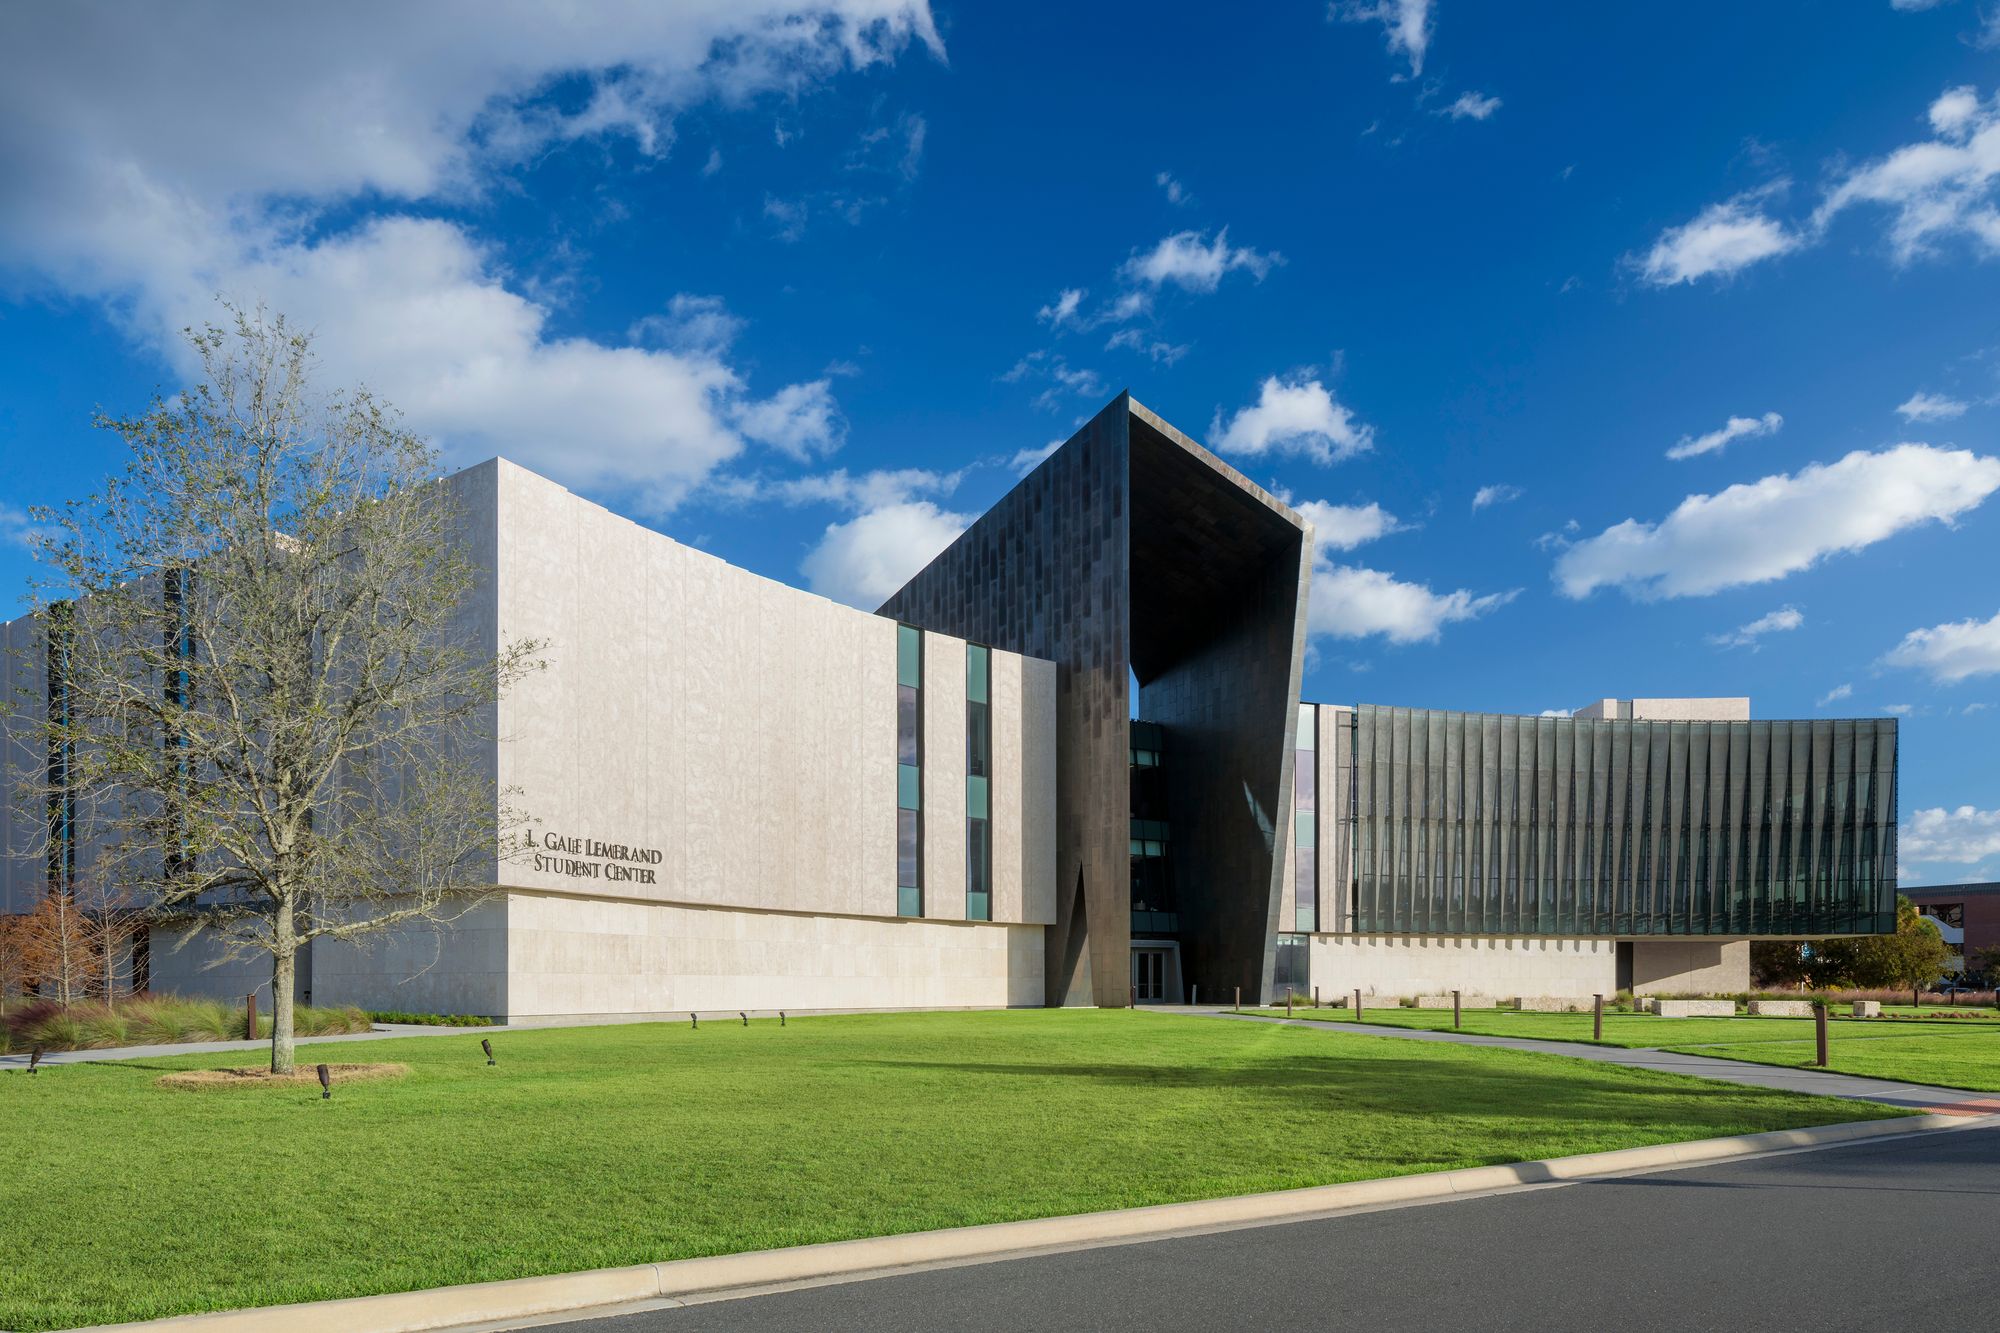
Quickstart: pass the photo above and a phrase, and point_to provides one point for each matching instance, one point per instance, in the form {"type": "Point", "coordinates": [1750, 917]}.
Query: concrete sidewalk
{"type": "Point", "coordinates": [381, 1032]}
{"type": "Point", "coordinates": [1820, 1082]}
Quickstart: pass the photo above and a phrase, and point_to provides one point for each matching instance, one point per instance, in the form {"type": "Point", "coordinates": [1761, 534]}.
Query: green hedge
{"type": "Point", "coordinates": [430, 1020]}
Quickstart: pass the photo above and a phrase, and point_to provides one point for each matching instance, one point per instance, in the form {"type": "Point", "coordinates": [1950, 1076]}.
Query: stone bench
{"type": "Point", "coordinates": [1782, 1008]}
{"type": "Point", "coordinates": [1554, 1004]}
{"type": "Point", "coordinates": [1867, 1008]}
{"type": "Point", "coordinates": [1465, 1002]}
{"type": "Point", "coordinates": [1695, 1008]}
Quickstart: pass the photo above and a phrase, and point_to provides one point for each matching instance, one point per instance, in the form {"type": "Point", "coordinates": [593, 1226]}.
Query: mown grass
{"type": "Point", "coordinates": [1632, 1031]}
{"type": "Point", "coordinates": [1948, 1056]}
{"type": "Point", "coordinates": [589, 1147]}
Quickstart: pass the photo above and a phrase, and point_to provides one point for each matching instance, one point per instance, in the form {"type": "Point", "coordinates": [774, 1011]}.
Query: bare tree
{"type": "Point", "coordinates": [112, 919]}
{"type": "Point", "coordinates": [272, 682]}
{"type": "Point", "coordinates": [55, 948]}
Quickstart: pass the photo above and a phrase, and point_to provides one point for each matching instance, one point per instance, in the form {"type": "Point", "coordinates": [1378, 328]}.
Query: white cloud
{"type": "Point", "coordinates": [1963, 835]}
{"type": "Point", "coordinates": [1899, 710]}
{"type": "Point", "coordinates": [870, 490]}
{"type": "Point", "coordinates": [1773, 622]}
{"type": "Point", "coordinates": [864, 560]}
{"type": "Point", "coordinates": [1836, 694]}
{"type": "Point", "coordinates": [1935, 188]}
{"type": "Point", "coordinates": [1177, 193]}
{"type": "Point", "coordinates": [1736, 428]}
{"type": "Point", "coordinates": [1025, 461]}
{"type": "Point", "coordinates": [1292, 416]}
{"type": "Point", "coordinates": [1059, 379]}
{"type": "Point", "coordinates": [1349, 602]}
{"type": "Point", "coordinates": [1497, 494]}
{"type": "Point", "coordinates": [1722, 239]}
{"type": "Point", "coordinates": [1190, 261]}
{"type": "Point", "coordinates": [1159, 350]}
{"type": "Point", "coordinates": [1758, 531]}
{"type": "Point", "coordinates": [1471, 106]}
{"type": "Point", "coordinates": [1914, 6]}
{"type": "Point", "coordinates": [136, 178]}
{"type": "Point", "coordinates": [1969, 709]}
{"type": "Point", "coordinates": [1557, 712]}
{"type": "Point", "coordinates": [1063, 309]}
{"type": "Point", "coordinates": [1344, 527]}
{"type": "Point", "coordinates": [1930, 407]}
{"type": "Point", "coordinates": [1951, 652]}
{"type": "Point", "coordinates": [1405, 23]}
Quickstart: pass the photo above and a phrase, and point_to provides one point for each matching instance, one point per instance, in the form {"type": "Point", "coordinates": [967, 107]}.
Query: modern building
{"type": "Point", "coordinates": [1067, 763]}
{"type": "Point", "coordinates": [1968, 917]}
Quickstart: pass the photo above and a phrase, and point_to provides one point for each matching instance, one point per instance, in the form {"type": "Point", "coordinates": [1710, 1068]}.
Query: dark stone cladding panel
{"type": "Point", "coordinates": [1132, 550]}
{"type": "Point", "coordinates": [1477, 824]}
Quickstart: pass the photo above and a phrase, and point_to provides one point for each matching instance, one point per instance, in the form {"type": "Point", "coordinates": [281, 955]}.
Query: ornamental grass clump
{"type": "Point", "coordinates": [151, 1020]}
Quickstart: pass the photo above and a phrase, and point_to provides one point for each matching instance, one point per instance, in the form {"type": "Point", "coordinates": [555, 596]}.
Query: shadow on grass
{"type": "Point", "coordinates": [1562, 1091]}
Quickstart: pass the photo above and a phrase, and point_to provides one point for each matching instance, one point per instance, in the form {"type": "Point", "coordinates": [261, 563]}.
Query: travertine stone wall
{"type": "Point", "coordinates": [944, 777]}
{"type": "Point", "coordinates": [570, 957]}
{"type": "Point", "coordinates": [1675, 966]}
{"type": "Point", "coordinates": [1433, 965]}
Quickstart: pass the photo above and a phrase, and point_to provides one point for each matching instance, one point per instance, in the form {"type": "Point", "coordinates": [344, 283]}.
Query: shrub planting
{"type": "Point", "coordinates": [147, 1020]}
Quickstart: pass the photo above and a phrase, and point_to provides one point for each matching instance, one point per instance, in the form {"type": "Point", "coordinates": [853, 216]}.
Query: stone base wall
{"type": "Point", "coordinates": [1464, 1002]}
{"type": "Point", "coordinates": [1694, 1008]}
{"type": "Point", "coordinates": [1430, 965]}
{"type": "Point", "coordinates": [1690, 967]}
{"type": "Point", "coordinates": [1781, 1008]}
{"type": "Point", "coordinates": [571, 957]}
{"type": "Point", "coordinates": [1555, 1004]}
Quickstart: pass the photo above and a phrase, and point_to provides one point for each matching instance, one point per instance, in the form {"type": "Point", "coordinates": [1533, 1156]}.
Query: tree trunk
{"type": "Point", "coordinates": [284, 964]}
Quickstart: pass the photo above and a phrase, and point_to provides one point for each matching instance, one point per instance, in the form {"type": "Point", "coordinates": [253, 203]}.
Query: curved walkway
{"type": "Point", "coordinates": [1820, 1082]}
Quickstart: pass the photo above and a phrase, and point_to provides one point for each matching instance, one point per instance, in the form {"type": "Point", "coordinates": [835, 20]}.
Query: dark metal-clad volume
{"type": "Point", "coordinates": [1478, 824]}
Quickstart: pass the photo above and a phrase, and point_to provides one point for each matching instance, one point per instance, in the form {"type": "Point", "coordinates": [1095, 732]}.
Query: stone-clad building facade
{"type": "Point", "coordinates": [1067, 763]}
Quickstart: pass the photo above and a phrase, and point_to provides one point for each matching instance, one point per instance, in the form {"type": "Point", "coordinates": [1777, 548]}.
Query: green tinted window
{"type": "Point", "coordinates": [978, 667]}
{"type": "Point", "coordinates": [909, 787]}
{"type": "Point", "coordinates": [909, 657]}
{"type": "Point", "coordinates": [975, 798]}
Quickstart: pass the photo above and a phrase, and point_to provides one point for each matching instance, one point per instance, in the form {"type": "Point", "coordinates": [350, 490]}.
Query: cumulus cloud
{"type": "Point", "coordinates": [1758, 531]}
{"type": "Point", "coordinates": [1736, 428]}
{"type": "Point", "coordinates": [864, 560]}
{"type": "Point", "coordinates": [1189, 260]}
{"type": "Point", "coordinates": [1930, 407]}
{"type": "Point", "coordinates": [1836, 694]}
{"type": "Point", "coordinates": [1471, 106]}
{"type": "Point", "coordinates": [1951, 652]}
{"type": "Point", "coordinates": [1405, 23]}
{"type": "Point", "coordinates": [1720, 240]}
{"type": "Point", "coordinates": [1773, 622]}
{"type": "Point", "coordinates": [1063, 309]}
{"type": "Point", "coordinates": [1497, 494]}
{"type": "Point", "coordinates": [1349, 602]}
{"type": "Point", "coordinates": [1963, 835]}
{"type": "Point", "coordinates": [1936, 189]}
{"type": "Point", "coordinates": [1296, 415]}
{"type": "Point", "coordinates": [857, 492]}
{"type": "Point", "coordinates": [136, 179]}
{"type": "Point", "coordinates": [1344, 527]}
{"type": "Point", "coordinates": [1177, 194]}
{"type": "Point", "coordinates": [1557, 712]}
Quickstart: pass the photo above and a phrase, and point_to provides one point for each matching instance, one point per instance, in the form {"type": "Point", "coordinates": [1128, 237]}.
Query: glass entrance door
{"type": "Point", "coordinates": [1149, 975]}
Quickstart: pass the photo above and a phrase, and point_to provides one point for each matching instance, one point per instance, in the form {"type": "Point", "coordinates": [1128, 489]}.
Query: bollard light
{"type": "Point", "coordinates": [486, 1045]}
{"type": "Point", "coordinates": [325, 1084]}
{"type": "Point", "coordinates": [35, 1058]}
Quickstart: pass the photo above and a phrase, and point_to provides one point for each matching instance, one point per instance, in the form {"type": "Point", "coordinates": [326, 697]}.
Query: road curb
{"type": "Point", "coordinates": [684, 1279]}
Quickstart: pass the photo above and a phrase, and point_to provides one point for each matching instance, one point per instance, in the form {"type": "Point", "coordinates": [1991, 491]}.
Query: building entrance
{"type": "Point", "coordinates": [1149, 976]}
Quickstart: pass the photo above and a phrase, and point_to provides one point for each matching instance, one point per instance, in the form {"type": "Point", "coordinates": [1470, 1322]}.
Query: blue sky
{"type": "Point", "coordinates": [792, 283]}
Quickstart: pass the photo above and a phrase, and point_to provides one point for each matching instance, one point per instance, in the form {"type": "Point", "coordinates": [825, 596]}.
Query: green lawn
{"type": "Point", "coordinates": [1948, 1055]}
{"type": "Point", "coordinates": [591, 1147]}
{"type": "Point", "coordinates": [1628, 1030]}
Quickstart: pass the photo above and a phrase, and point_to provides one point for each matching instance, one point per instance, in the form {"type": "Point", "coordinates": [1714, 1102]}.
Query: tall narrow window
{"type": "Point", "coordinates": [978, 783]}
{"type": "Point", "coordinates": [1305, 820]}
{"type": "Point", "coordinates": [909, 771]}
{"type": "Point", "coordinates": [62, 750]}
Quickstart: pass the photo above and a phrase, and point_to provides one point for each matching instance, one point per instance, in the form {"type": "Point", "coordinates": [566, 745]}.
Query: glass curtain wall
{"type": "Point", "coordinates": [1484, 824]}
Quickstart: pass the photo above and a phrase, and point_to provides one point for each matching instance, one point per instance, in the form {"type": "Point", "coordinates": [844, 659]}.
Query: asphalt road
{"type": "Point", "coordinates": [1876, 1237]}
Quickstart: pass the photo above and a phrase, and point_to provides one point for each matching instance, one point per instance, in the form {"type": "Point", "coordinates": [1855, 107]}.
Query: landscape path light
{"type": "Point", "coordinates": [486, 1045]}
{"type": "Point", "coordinates": [693, 1021]}
{"type": "Point", "coordinates": [325, 1084]}
{"type": "Point", "coordinates": [35, 1058]}
{"type": "Point", "coordinates": [745, 1017]}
